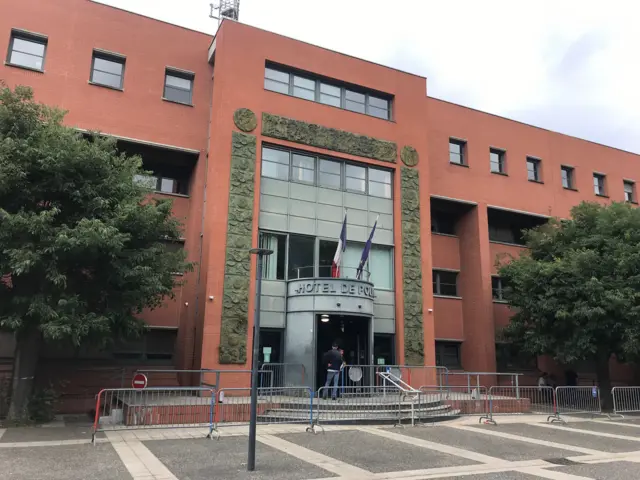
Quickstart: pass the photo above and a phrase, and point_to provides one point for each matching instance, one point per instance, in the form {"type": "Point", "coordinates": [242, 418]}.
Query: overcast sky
{"type": "Point", "coordinates": [569, 66]}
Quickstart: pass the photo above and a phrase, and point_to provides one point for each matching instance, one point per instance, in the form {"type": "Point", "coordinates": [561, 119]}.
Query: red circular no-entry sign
{"type": "Point", "coordinates": [139, 380]}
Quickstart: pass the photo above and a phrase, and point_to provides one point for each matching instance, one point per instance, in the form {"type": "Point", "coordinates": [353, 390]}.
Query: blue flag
{"type": "Point", "coordinates": [365, 252]}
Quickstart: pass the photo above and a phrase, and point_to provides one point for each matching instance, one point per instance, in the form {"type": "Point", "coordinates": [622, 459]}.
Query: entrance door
{"type": "Point", "coordinates": [272, 372]}
{"type": "Point", "coordinates": [351, 333]}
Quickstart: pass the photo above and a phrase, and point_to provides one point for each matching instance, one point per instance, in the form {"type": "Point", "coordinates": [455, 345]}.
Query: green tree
{"type": "Point", "coordinates": [576, 292]}
{"type": "Point", "coordinates": [82, 250]}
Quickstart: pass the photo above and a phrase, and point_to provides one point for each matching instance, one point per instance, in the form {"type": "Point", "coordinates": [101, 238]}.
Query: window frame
{"type": "Point", "coordinates": [499, 289]}
{"type": "Point", "coordinates": [602, 192]}
{"type": "Point", "coordinates": [178, 73]}
{"type": "Point", "coordinates": [317, 93]}
{"type": "Point", "coordinates": [316, 171]}
{"type": "Point", "coordinates": [570, 177]}
{"type": "Point", "coordinates": [537, 169]}
{"type": "Point", "coordinates": [436, 282]}
{"type": "Point", "coordinates": [27, 36]}
{"type": "Point", "coordinates": [440, 346]}
{"type": "Point", "coordinates": [463, 151]}
{"type": "Point", "coordinates": [110, 57]}
{"type": "Point", "coordinates": [502, 161]}
{"type": "Point", "coordinates": [629, 183]}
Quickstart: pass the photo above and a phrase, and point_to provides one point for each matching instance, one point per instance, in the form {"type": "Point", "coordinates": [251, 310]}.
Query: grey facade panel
{"type": "Point", "coordinates": [385, 297]}
{"type": "Point", "coordinates": [305, 226]}
{"type": "Point", "coordinates": [381, 205]}
{"type": "Point", "coordinates": [300, 208]}
{"type": "Point", "coordinates": [302, 192]}
{"type": "Point", "coordinates": [384, 237]}
{"type": "Point", "coordinates": [384, 325]}
{"type": "Point", "coordinates": [273, 204]}
{"type": "Point", "coordinates": [330, 197]}
{"type": "Point", "coordinates": [357, 217]}
{"type": "Point", "coordinates": [353, 200]}
{"type": "Point", "coordinates": [329, 229]}
{"type": "Point", "coordinates": [272, 319]}
{"type": "Point", "coordinates": [299, 343]}
{"type": "Point", "coordinates": [270, 186]}
{"type": "Point", "coordinates": [271, 304]}
{"type": "Point", "coordinates": [274, 288]}
{"type": "Point", "coordinates": [384, 311]}
{"type": "Point", "coordinates": [330, 213]}
{"type": "Point", "coordinates": [272, 221]}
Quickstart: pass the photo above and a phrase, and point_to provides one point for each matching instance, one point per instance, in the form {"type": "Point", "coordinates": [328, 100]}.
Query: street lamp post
{"type": "Point", "coordinates": [251, 461]}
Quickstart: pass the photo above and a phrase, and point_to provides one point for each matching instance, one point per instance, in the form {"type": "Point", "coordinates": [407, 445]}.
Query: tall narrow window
{"type": "Point", "coordinates": [27, 50]}
{"type": "Point", "coordinates": [599, 185]}
{"type": "Point", "coordinates": [329, 94]}
{"type": "Point", "coordinates": [302, 168]}
{"type": "Point", "coordinates": [356, 179]}
{"type": "Point", "coordinates": [304, 88]}
{"type": "Point", "coordinates": [273, 265]}
{"type": "Point", "coordinates": [329, 173]}
{"type": "Point", "coordinates": [456, 152]}
{"type": "Point", "coordinates": [178, 86]}
{"type": "Point", "coordinates": [497, 288]}
{"type": "Point", "coordinates": [107, 70]}
{"type": "Point", "coordinates": [380, 267]}
{"type": "Point", "coordinates": [301, 255]}
{"type": "Point", "coordinates": [448, 354]}
{"type": "Point", "coordinates": [275, 163]}
{"type": "Point", "coordinates": [567, 177]}
{"type": "Point", "coordinates": [378, 107]}
{"type": "Point", "coordinates": [355, 101]}
{"type": "Point", "coordinates": [445, 283]}
{"type": "Point", "coordinates": [326, 252]}
{"type": "Point", "coordinates": [533, 170]}
{"type": "Point", "coordinates": [379, 183]}
{"type": "Point", "coordinates": [496, 158]}
{"type": "Point", "coordinates": [629, 191]}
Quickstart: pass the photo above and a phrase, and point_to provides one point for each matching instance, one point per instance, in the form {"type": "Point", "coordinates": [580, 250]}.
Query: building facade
{"type": "Point", "coordinates": [262, 140]}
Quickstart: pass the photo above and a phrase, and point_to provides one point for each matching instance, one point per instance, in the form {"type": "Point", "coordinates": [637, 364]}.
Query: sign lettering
{"type": "Point", "coordinates": [333, 287]}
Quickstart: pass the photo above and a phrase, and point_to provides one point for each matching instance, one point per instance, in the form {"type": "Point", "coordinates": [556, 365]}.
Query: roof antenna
{"type": "Point", "coordinates": [229, 9]}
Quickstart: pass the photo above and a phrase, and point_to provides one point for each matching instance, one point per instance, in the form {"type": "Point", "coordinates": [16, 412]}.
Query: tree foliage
{"type": "Point", "coordinates": [576, 292]}
{"type": "Point", "coordinates": [82, 249]}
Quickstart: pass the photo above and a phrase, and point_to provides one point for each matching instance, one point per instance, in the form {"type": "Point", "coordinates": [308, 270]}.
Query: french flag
{"type": "Point", "coordinates": [342, 245]}
{"type": "Point", "coordinates": [365, 251]}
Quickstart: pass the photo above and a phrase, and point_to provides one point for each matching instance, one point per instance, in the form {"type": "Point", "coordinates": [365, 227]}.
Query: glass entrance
{"type": "Point", "coordinates": [272, 370]}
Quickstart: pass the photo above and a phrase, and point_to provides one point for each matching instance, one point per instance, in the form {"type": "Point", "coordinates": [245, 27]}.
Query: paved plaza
{"type": "Point", "coordinates": [518, 448]}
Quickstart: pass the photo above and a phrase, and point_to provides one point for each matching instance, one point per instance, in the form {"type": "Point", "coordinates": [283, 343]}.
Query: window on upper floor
{"type": "Point", "coordinates": [510, 358]}
{"type": "Point", "coordinates": [457, 152]}
{"type": "Point", "coordinates": [107, 69]}
{"type": "Point", "coordinates": [328, 92]}
{"type": "Point", "coordinates": [599, 187]}
{"type": "Point", "coordinates": [178, 86]}
{"type": "Point", "coordinates": [445, 283]}
{"type": "Point", "coordinates": [507, 226]}
{"type": "Point", "coordinates": [27, 50]}
{"type": "Point", "coordinates": [302, 167]}
{"type": "Point", "coordinates": [448, 354]}
{"type": "Point", "coordinates": [497, 161]}
{"type": "Point", "coordinates": [567, 177]}
{"type": "Point", "coordinates": [533, 170]}
{"type": "Point", "coordinates": [497, 288]}
{"type": "Point", "coordinates": [443, 223]}
{"type": "Point", "coordinates": [630, 191]}
{"type": "Point", "coordinates": [163, 184]}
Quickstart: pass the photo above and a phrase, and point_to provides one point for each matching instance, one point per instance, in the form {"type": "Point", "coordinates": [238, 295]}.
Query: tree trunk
{"type": "Point", "coordinates": [604, 381]}
{"type": "Point", "coordinates": [25, 361]}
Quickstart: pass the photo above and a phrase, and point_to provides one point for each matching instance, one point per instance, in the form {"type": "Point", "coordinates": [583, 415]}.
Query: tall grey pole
{"type": "Point", "coordinates": [251, 461]}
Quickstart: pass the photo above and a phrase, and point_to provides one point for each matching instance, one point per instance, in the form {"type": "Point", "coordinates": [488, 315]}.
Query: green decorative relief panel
{"type": "Point", "coordinates": [329, 138]}
{"type": "Point", "coordinates": [245, 119]}
{"type": "Point", "coordinates": [409, 156]}
{"type": "Point", "coordinates": [412, 267]}
{"type": "Point", "coordinates": [235, 301]}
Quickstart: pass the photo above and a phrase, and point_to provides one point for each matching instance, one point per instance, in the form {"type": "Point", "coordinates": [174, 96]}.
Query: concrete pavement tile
{"type": "Point", "coordinates": [225, 459]}
{"type": "Point", "coordinates": [604, 471]}
{"type": "Point", "coordinates": [39, 434]}
{"type": "Point", "coordinates": [373, 453]}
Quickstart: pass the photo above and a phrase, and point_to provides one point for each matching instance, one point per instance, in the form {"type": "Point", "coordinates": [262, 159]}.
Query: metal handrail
{"type": "Point", "coordinates": [325, 271]}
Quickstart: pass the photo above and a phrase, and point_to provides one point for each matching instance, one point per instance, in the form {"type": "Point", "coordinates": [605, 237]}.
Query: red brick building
{"type": "Point", "coordinates": [263, 140]}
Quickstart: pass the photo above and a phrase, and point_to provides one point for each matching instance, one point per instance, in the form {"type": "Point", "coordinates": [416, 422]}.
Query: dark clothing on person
{"type": "Point", "coordinates": [571, 378]}
{"type": "Point", "coordinates": [332, 360]}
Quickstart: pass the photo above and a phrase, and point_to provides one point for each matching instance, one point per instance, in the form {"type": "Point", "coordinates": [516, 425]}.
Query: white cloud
{"type": "Point", "coordinates": [568, 65]}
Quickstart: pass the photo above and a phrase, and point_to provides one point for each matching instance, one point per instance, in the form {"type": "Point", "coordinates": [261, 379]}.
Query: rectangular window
{"type": "Point", "coordinates": [178, 86]}
{"type": "Point", "coordinates": [380, 266]}
{"type": "Point", "coordinates": [329, 174]}
{"type": "Point", "coordinates": [273, 265]}
{"type": "Point", "coordinates": [275, 163]}
{"type": "Point", "coordinates": [598, 185]}
{"type": "Point", "coordinates": [27, 50]}
{"type": "Point", "coordinates": [326, 252]}
{"type": "Point", "coordinates": [629, 191]}
{"type": "Point", "coordinates": [107, 70]}
{"type": "Point", "coordinates": [510, 358]}
{"type": "Point", "coordinates": [567, 177]}
{"type": "Point", "coordinates": [496, 158]}
{"type": "Point", "coordinates": [497, 288]}
{"type": "Point", "coordinates": [379, 183]}
{"type": "Point", "coordinates": [301, 257]}
{"type": "Point", "coordinates": [533, 169]}
{"type": "Point", "coordinates": [456, 152]}
{"type": "Point", "coordinates": [356, 99]}
{"type": "Point", "coordinates": [445, 283]}
{"type": "Point", "coordinates": [443, 223]}
{"type": "Point", "coordinates": [162, 184]}
{"type": "Point", "coordinates": [448, 354]}
{"type": "Point", "coordinates": [302, 168]}
{"type": "Point", "coordinates": [356, 179]}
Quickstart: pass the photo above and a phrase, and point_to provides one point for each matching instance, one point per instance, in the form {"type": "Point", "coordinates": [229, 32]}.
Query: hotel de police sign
{"type": "Point", "coordinates": [331, 286]}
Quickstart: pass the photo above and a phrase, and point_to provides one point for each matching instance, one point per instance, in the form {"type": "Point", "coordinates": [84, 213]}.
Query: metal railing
{"type": "Point", "coordinates": [152, 408]}
{"type": "Point", "coordinates": [477, 379]}
{"type": "Point", "coordinates": [291, 405]}
{"type": "Point", "coordinates": [439, 402]}
{"type": "Point", "coordinates": [412, 375]}
{"type": "Point", "coordinates": [625, 400]}
{"type": "Point", "coordinates": [326, 271]}
{"type": "Point", "coordinates": [210, 378]}
{"type": "Point", "coordinates": [282, 375]}
{"type": "Point", "coordinates": [578, 400]}
{"type": "Point", "coordinates": [529, 400]}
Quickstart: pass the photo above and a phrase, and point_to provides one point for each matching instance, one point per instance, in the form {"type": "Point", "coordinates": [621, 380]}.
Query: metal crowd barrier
{"type": "Point", "coordinates": [519, 400]}
{"type": "Point", "coordinates": [288, 405]}
{"type": "Point", "coordinates": [438, 402]}
{"type": "Point", "coordinates": [152, 408]}
{"type": "Point", "coordinates": [578, 400]}
{"type": "Point", "coordinates": [625, 400]}
{"type": "Point", "coordinates": [367, 375]}
{"type": "Point", "coordinates": [477, 379]}
{"type": "Point", "coordinates": [282, 375]}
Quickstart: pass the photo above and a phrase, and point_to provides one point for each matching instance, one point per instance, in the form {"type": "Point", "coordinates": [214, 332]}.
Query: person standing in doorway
{"type": "Point", "coordinates": [333, 362]}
